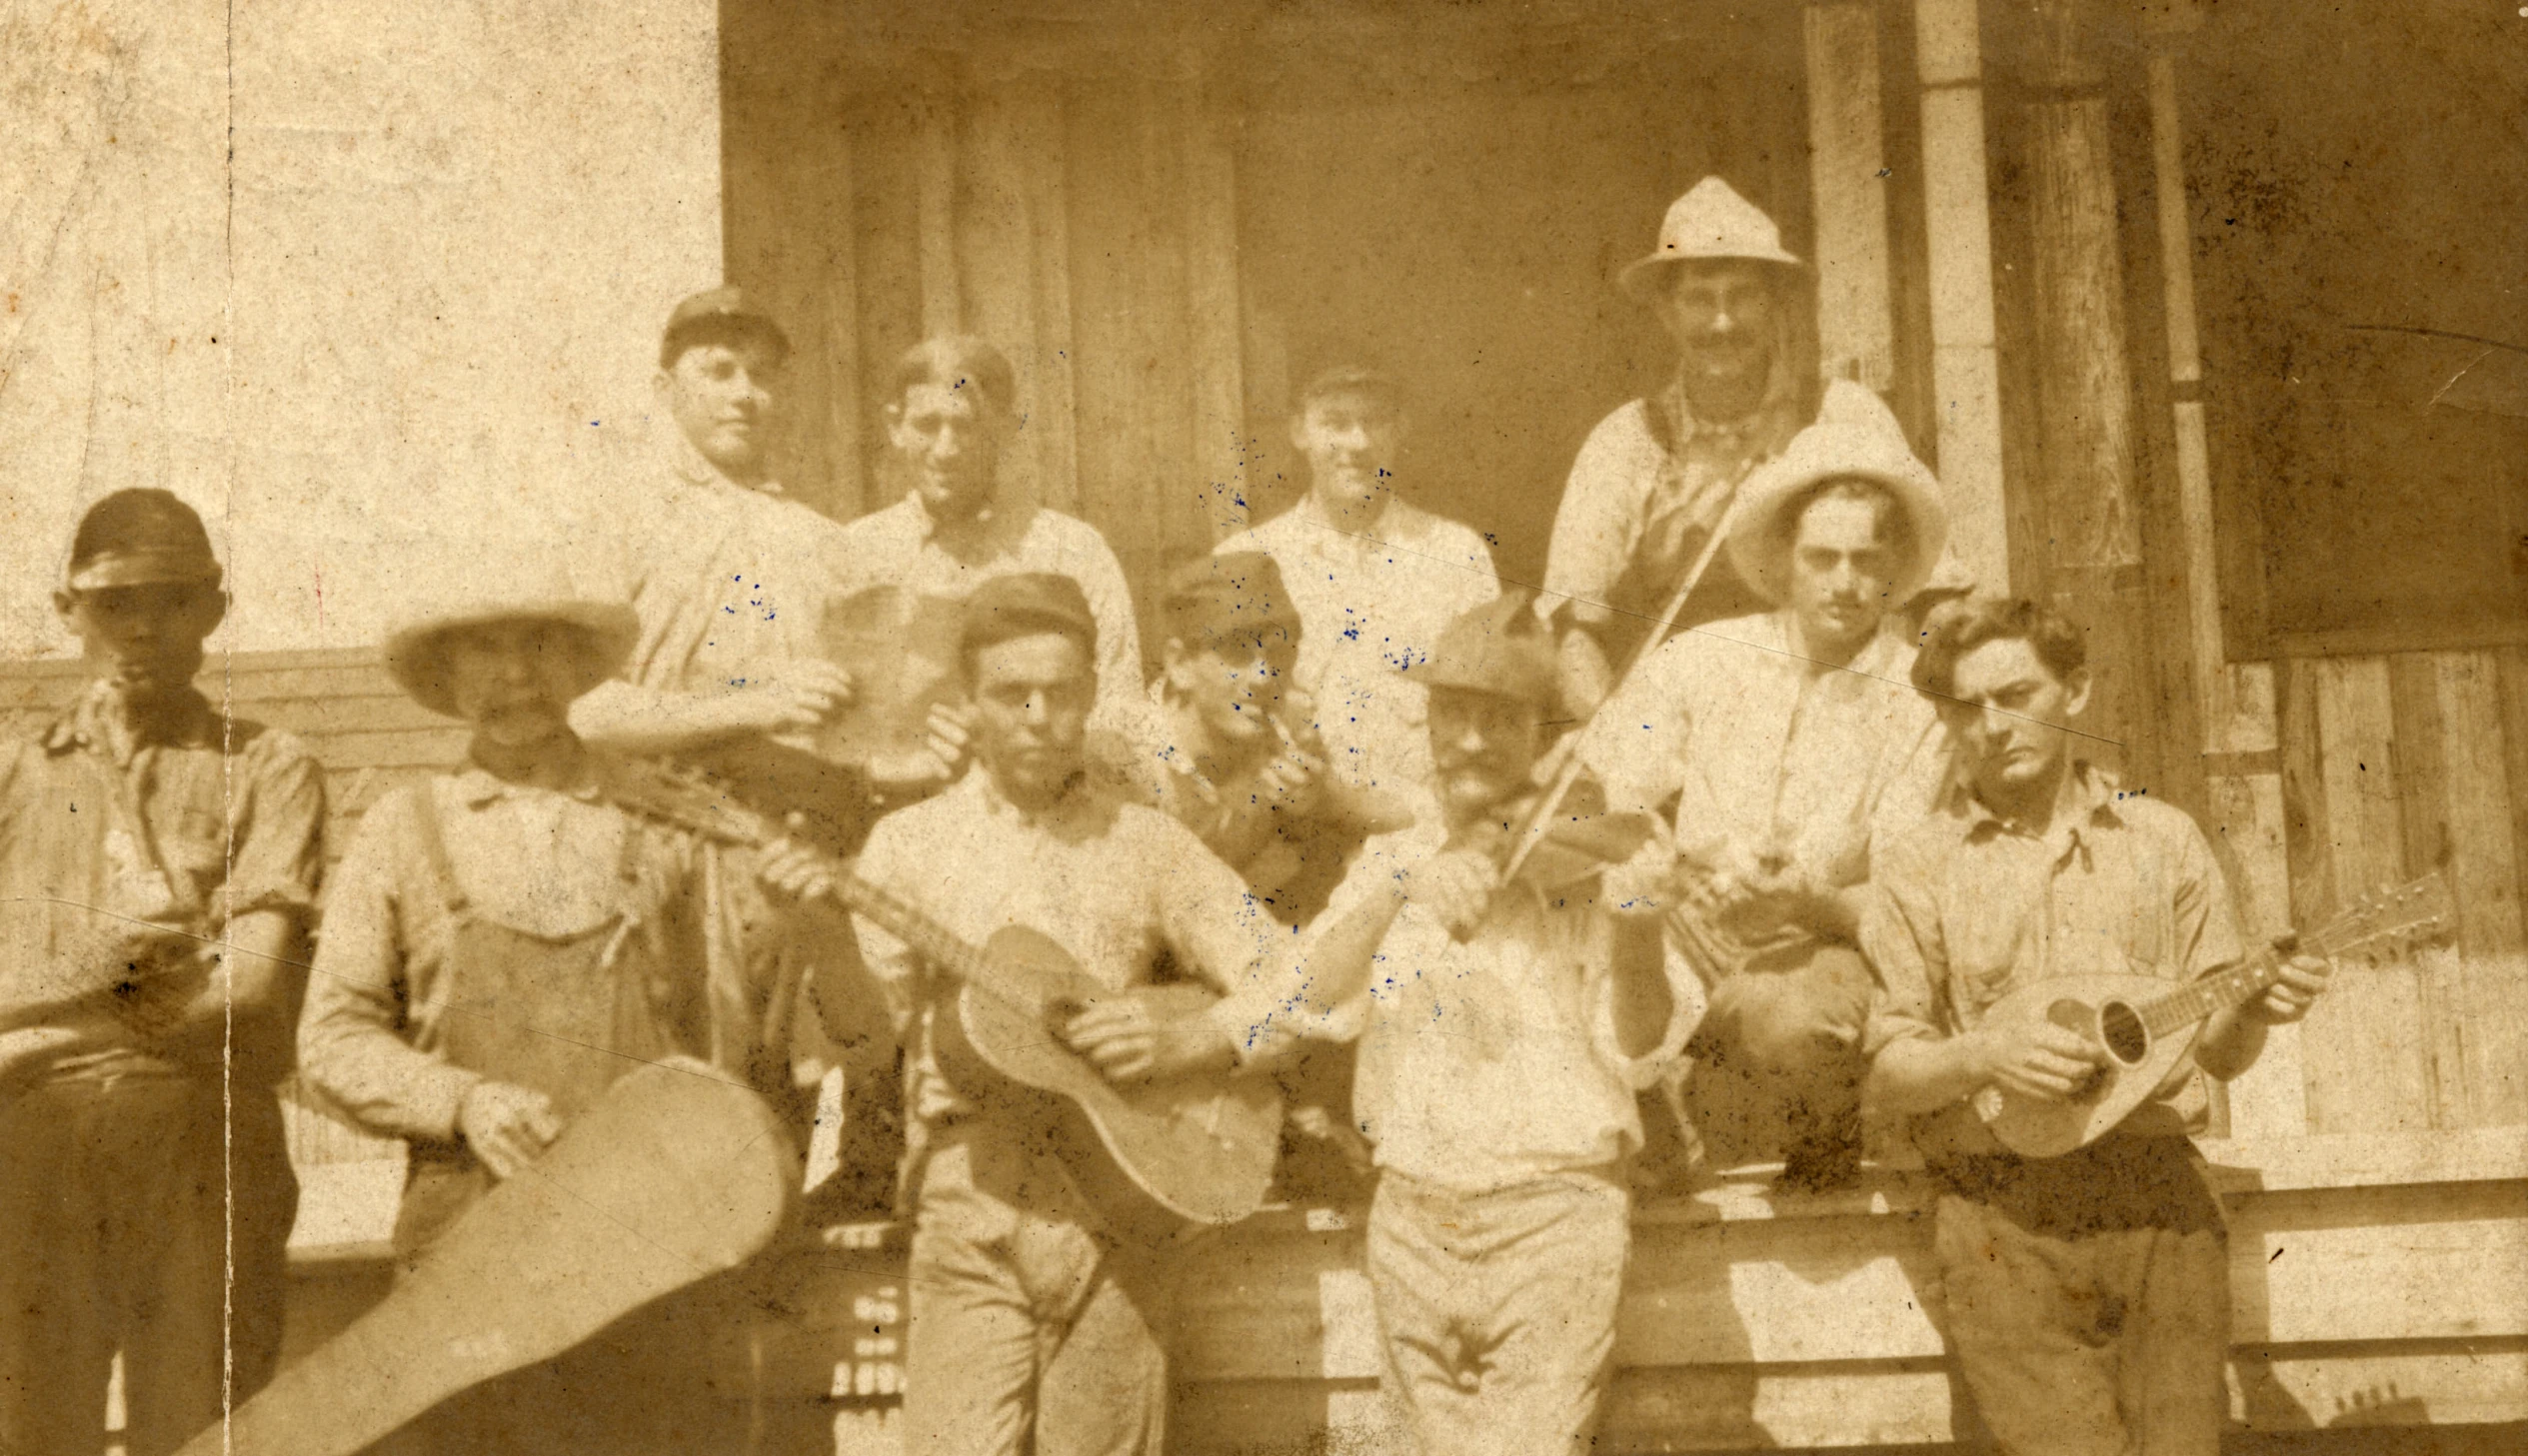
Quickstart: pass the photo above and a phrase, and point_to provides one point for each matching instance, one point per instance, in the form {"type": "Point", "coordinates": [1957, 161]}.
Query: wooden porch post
{"type": "Point", "coordinates": [1965, 371]}
{"type": "Point", "coordinates": [1846, 166]}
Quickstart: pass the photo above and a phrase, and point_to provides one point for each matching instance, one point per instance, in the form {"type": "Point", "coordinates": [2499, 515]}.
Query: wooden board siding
{"type": "Point", "coordinates": [2392, 765]}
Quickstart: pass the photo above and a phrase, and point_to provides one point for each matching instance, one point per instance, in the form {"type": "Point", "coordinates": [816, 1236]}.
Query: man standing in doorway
{"type": "Point", "coordinates": [1791, 744]}
{"type": "Point", "coordinates": [1375, 577]}
{"type": "Point", "coordinates": [1655, 479]}
{"type": "Point", "coordinates": [964, 521]}
{"type": "Point", "coordinates": [2088, 1295]}
{"type": "Point", "coordinates": [158, 869]}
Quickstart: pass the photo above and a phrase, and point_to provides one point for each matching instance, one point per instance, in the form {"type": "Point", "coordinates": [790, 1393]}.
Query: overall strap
{"type": "Point", "coordinates": [434, 849]}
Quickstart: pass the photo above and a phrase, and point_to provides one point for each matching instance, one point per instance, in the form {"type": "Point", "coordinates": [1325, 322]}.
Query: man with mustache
{"type": "Point", "coordinates": [1657, 477]}
{"type": "Point", "coordinates": [158, 869]}
{"type": "Point", "coordinates": [965, 520]}
{"type": "Point", "coordinates": [1375, 577]}
{"type": "Point", "coordinates": [1790, 745]}
{"type": "Point", "coordinates": [501, 944]}
{"type": "Point", "coordinates": [1508, 1030]}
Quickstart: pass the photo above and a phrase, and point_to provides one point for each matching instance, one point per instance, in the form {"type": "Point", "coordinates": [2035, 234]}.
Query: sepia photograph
{"type": "Point", "coordinates": [1264, 728]}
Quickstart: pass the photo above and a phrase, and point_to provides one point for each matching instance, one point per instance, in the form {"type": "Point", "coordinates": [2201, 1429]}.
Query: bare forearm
{"type": "Point", "coordinates": [2230, 1044]}
{"type": "Point", "coordinates": [1644, 1002]}
{"type": "Point", "coordinates": [645, 720]}
{"type": "Point", "coordinates": [1921, 1074]}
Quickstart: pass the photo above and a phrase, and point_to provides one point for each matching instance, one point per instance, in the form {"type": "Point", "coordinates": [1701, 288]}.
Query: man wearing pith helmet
{"type": "Point", "coordinates": [158, 868]}
{"type": "Point", "coordinates": [1655, 477]}
{"type": "Point", "coordinates": [1790, 746]}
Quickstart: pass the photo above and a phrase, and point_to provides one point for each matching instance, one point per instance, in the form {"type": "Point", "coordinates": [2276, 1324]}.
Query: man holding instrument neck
{"type": "Point", "coordinates": [503, 943]}
{"type": "Point", "coordinates": [1033, 1321]}
{"type": "Point", "coordinates": [1509, 1027]}
{"type": "Point", "coordinates": [1656, 479]}
{"type": "Point", "coordinates": [160, 864]}
{"type": "Point", "coordinates": [2088, 1295]}
{"type": "Point", "coordinates": [1791, 745]}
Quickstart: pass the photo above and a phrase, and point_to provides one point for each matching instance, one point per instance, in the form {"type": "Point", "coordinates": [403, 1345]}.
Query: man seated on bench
{"type": "Point", "coordinates": [2088, 1295]}
{"type": "Point", "coordinates": [1792, 747]}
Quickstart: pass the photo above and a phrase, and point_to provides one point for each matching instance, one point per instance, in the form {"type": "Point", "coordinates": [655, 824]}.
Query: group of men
{"type": "Point", "coordinates": [1821, 841]}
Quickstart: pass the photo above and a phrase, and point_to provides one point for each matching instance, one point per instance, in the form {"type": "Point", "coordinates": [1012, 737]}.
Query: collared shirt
{"type": "Point", "coordinates": [1372, 605]}
{"type": "Point", "coordinates": [729, 582]}
{"type": "Point", "coordinates": [1970, 906]}
{"type": "Point", "coordinates": [1647, 481]}
{"type": "Point", "coordinates": [1114, 885]}
{"type": "Point", "coordinates": [1771, 754]}
{"type": "Point", "coordinates": [100, 830]}
{"type": "Point", "coordinates": [1492, 1061]}
{"type": "Point", "coordinates": [901, 546]}
{"type": "Point", "coordinates": [551, 865]}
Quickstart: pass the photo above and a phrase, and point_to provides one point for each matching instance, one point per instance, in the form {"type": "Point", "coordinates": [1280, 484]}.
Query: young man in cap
{"type": "Point", "coordinates": [1032, 1321]}
{"type": "Point", "coordinates": [160, 862]}
{"type": "Point", "coordinates": [1509, 1029]}
{"type": "Point", "coordinates": [1375, 577]}
{"type": "Point", "coordinates": [1790, 746]}
{"type": "Point", "coordinates": [965, 520]}
{"type": "Point", "coordinates": [728, 576]}
{"type": "Point", "coordinates": [1655, 479]}
{"type": "Point", "coordinates": [501, 944]}
{"type": "Point", "coordinates": [2088, 1295]}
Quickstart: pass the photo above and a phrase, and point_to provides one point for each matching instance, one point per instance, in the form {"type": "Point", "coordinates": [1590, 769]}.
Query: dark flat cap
{"type": "Point", "coordinates": [140, 538]}
{"type": "Point", "coordinates": [1499, 648]}
{"type": "Point", "coordinates": [1025, 603]}
{"type": "Point", "coordinates": [1230, 593]}
{"type": "Point", "coordinates": [727, 308]}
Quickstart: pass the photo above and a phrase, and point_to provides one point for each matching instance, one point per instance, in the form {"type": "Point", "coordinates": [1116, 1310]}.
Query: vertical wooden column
{"type": "Point", "coordinates": [935, 211]}
{"type": "Point", "coordinates": [2240, 742]}
{"type": "Point", "coordinates": [1966, 370]}
{"type": "Point", "coordinates": [1216, 320]}
{"type": "Point", "coordinates": [1849, 191]}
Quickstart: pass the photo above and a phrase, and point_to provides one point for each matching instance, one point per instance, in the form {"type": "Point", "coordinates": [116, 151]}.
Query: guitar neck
{"type": "Point", "coordinates": [2235, 986]}
{"type": "Point", "coordinates": [898, 917]}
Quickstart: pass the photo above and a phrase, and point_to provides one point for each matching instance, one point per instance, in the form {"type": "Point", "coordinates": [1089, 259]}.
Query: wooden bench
{"type": "Point", "coordinates": [2376, 1281]}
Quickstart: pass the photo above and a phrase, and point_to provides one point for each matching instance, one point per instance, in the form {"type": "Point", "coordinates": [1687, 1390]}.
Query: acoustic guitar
{"type": "Point", "coordinates": [1155, 1156]}
{"type": "Point", "coordinates": [2141, 1025]}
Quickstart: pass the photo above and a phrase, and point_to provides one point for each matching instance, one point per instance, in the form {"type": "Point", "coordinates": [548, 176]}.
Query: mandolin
{"type": "Point", "coordinates": [1153, 1156]}
{"type": "Point", "coordinates": [2141, 1025]}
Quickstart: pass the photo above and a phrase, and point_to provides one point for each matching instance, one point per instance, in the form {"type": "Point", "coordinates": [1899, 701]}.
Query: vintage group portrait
{"type": "Point", "coordinates": [1095, 728]}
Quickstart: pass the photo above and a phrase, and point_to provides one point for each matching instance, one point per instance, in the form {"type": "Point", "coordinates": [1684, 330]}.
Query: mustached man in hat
{"type": "Point", "coordinates": [1506, 1031]}
{"type": "Point", "coordinates": [1657, 477]}
{"type": "Point", "coordinates": [1787, 747]}
{"type": "Point", "coordinates": [160, 865]}
{"type": "Point", "coordinates": [502, 943]}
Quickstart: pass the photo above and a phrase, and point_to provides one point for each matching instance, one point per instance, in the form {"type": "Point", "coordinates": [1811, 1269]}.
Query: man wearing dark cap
{"type": "Point", "coordinates": [158, 870]}
{"type": "Point", "coordinates": [728, 576]}
{"type": "Point", "coordinates": [1655, 479]}
{"type": "Point", "coordinates": [1374, 578]}
{"type": "Point", "coordinates": [1508, 1030]}
{"type": "Point", "coordinates": [1033, 1325]}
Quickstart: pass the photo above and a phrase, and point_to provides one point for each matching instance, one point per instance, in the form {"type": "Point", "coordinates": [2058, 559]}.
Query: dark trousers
{"type": "Point", "coordinates": [1776, 1060]}
{"type": "Point", "coordinates": [2088, 1298]}
{"type": "Point", "coordinates": [114, 1236]}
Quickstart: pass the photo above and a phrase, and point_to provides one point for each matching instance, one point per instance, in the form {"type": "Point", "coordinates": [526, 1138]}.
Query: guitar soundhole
{"type": "Point", "coordinates": [2128, 1040]}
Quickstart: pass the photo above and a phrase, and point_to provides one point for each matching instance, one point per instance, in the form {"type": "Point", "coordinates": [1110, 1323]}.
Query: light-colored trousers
{"type": "Point", "coordinates": [1496, 1310]}
{"type": "Point", "coordinates": [1026, 1324]}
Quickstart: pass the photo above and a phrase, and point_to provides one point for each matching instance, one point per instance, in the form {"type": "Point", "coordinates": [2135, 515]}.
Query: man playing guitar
{"type": "Point", "coordinates": [2088, 1295]}
{"type": "Point", "coordinates": [1037, 1325]}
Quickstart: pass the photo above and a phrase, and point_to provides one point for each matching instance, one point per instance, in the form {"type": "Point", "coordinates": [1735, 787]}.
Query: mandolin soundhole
{"type": "Point", "coordinates": [2128, 1040]}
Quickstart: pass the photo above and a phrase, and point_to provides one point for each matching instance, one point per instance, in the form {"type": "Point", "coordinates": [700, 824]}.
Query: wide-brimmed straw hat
{"type": "Point", "coordinates": [416, 645]}
{"type": "Point", "coordinates": [1847, 443]}
{"type": "Point", "coordinates": [1711, 223]}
